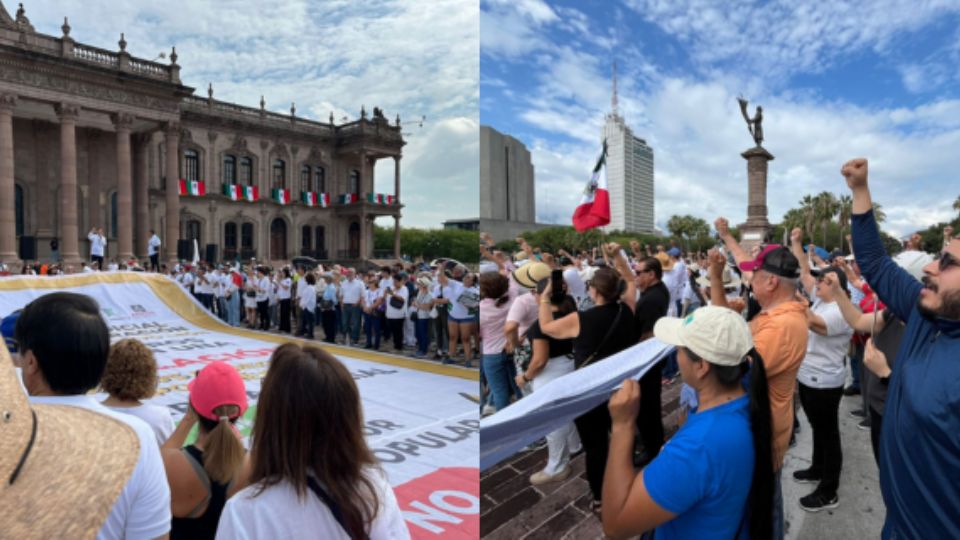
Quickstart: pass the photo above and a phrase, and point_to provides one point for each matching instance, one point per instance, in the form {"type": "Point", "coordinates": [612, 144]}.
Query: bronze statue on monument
{"type": "Point", "coordinates": [756, 228]}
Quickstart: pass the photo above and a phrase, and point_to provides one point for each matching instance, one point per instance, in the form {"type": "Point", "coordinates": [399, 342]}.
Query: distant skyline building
{"type": "Point", "coordinates": [629, 174]}
{"type": "Point", "coordinates": [508, 204]}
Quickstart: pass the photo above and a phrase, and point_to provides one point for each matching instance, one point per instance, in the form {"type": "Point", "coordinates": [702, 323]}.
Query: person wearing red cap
{"type": "Point", "coordinates": [205, 474]}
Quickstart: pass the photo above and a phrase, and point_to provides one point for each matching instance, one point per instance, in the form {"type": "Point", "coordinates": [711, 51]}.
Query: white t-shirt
{"type": "Point", "coordinates": [307, 297]}
{"type": "Point", "coordinates": [153, 245]}
{"type": "Point", "coordinates": [285, 289]}
{"type": "Point", "coordinates": [143, 508]}
{"type": "Point", "coordinates": [97, 244]}
{"type": "Point", "coordinates": [202, 284]}
{"type": "Point", "coordinates": [452, 290]}
{"type": "Point", "coordinates": [395, 313]}
{"type": "Point", "coordinates": [278, 512]}
{"type": "Point", "coordinates": [351, 291]}
{"type": "Point", "coordinates": [88, 270]}
{"type": "Point", "coordinates": [188, 280]}
{"type": "Point", "coordinates": [156, 416]}
{"type": "Point", "coordinates": [823, 365]}
{"type": "Point", "coordinates": [370, 297]}
{"type": "Point", "coordinates": [263, 289]}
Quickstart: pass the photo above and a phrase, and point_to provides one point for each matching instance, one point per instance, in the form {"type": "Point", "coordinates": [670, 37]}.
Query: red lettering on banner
{"type": "Point", "coordinates": [442, 504]}
{"type": "Point", "coordinates": [225, 357]}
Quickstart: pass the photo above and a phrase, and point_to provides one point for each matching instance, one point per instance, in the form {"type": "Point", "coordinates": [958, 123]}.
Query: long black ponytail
{"type": "Point", "coordinates": [760, 501]}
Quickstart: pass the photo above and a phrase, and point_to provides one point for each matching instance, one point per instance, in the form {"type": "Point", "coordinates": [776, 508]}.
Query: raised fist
{"type": "Point", "coordinates": [722, 226]}
{"type": "Point", "coordinates": [855, 171]}
{"type": "Point", "coordinates": [717, 262]}
{"type": "Point", "coordinates": [612, 249]}
{"type": "Point", "coordinates": [796, 235]}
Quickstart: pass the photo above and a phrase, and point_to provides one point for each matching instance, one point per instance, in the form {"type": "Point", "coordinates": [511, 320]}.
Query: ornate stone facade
{"type": "Point", "coordinates": [89, 137]}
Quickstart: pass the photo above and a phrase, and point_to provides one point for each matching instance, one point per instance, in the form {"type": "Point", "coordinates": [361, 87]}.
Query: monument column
{"type": "Point", "coordinates": [69, 235]}
{"type": "Point", "coordinates": [8, 211]}
{"type": "Point", "coordinates": [171, 136]}
{"type": "Point", "coordinates": [396, 201]}
{"type": "Point", "coordinates": [123, 123]}
{"type": "Point", "coordinates": [141, 194]}
{"type": "Point", "coordinates": [754, 231]}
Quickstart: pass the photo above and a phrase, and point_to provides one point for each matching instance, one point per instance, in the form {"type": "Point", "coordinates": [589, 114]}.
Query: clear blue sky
{"type": "Point", "coordinates": [835, 79]}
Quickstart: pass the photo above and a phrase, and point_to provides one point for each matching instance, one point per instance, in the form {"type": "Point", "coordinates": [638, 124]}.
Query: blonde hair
{"type": "Point", "coordinates": [223, 454]}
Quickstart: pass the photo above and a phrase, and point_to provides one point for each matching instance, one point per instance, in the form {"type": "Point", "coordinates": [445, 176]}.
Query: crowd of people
{"type": "Point", "coordinates": [416, 308]}
{"type": "Point", "coordinates": [308, 472]}
{"type": "Point", "coordinates": [755, 333]}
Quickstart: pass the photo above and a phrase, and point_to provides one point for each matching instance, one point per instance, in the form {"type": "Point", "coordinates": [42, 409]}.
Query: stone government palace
{"type": "Point", "coordinates": [95, 138]}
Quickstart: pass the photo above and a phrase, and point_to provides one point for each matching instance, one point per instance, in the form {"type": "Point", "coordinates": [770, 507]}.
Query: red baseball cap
{"type": "Point", "coordinates": [775, 259]}
{"type": "Point", "coordinates": [217, 384]}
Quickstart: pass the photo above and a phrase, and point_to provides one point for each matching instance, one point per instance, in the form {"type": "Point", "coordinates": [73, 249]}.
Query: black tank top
{"type": "Point", "coordinates": [203, 526]}
{"type": "Point", "coordinates": [595, 323]}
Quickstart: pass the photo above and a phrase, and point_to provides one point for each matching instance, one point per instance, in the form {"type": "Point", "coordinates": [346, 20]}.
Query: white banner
{"type": "Point", "coordinates": [421, 419]}
{"type": "Point", "coordinates": [562, 400]}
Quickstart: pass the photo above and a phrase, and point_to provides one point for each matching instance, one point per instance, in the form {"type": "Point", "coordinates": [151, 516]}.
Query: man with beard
{"type": "Point", "coordinates": [920, 441]}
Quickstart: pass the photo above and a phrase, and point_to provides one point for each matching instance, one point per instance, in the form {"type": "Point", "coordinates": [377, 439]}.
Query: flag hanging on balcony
{"type": "Point", "coordinates": [192, 187]}
{"type": "Point", "coordinates": [282, 196]}
{"type": "Point", "coordinates": [374, 198]}
{"type": "Point", "coordinates": [594, 208]}
{"type": "Point", "coordinates": [251, 193]}
{"type": "Point", "coordinates": [233, 191]}
{"type": "Point", "coordinates": [348, 198]}
{"type": "Point", "coordinates": [323, 199]}
{"type": "Point", "coordinates": [308, 198]}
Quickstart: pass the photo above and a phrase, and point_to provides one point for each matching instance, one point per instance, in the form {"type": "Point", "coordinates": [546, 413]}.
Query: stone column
{"type": "Point", "coordinates": [363, 237]}
{"type": "Point", "coordinates": [69, 235]}
{"type": "Point", "coordinates": [8, 211]}
{"type": "Point", "coordinates": [169, 241]}
{"type": "Point", "coordinates": [754, 231]}
{"type": "Point", "coordinates": [141, 194]}
{"type": "Point", "coordinates": [123, 123]}
{"type": "Point", "coordinates": [396, 196]}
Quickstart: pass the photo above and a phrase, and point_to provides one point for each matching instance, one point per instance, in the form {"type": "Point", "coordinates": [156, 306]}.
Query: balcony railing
{"type": "Point", "coordinates": [319, 254]}
{"type": "Point", "coordinates": [348, 254]}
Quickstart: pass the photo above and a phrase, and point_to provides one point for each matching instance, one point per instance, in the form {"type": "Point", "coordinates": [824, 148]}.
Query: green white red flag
{"type": "Point", "coordinates": [192, 187]}
{"type": "Point", "coordinates": [282, 196]}
{"type": "Point", "coordinates": [594, 208]}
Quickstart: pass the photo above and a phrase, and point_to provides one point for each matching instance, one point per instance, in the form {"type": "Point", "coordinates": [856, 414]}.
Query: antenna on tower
{"type": "Point", "coordinates": [613, 100]}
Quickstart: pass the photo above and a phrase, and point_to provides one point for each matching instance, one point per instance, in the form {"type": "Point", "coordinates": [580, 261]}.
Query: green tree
{"type": "Point", "coordinates": [845, 210]}
{"type": "Point", "coordinates": [956, 204]}
{"type": "Point", "coordinates": [430, 244]}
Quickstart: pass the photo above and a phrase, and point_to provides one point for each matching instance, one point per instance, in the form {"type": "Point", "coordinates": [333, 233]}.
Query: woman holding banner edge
{"type": "Point", "coordinates": [715, 474]}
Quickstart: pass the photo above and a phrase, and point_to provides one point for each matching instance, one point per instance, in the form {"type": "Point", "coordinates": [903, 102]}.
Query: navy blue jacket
{"type": "Point", "coordinates": [920, 444]}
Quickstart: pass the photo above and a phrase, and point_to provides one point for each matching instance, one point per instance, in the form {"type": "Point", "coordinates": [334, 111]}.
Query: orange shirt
{"type": "Point", "coordinates": [780, 336]}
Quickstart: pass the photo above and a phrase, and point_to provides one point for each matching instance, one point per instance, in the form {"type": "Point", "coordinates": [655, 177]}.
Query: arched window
{"type": "Point", "coordinates": [246, 171]}
{"type": "Point", "coordinates": [321, 241]}
{"type": "Point", "coordinates": [306, 241]}
{"type": "Point", "coordinates": [230, 235]}
{"type": "Point", "coordinates": [191, 165]}
{"type": "Point", "coordinates": [320, 179]}
{"type": "Point", "coordinates": [229, 241]}
{"type": "Point", "coordinates": [246, 236]}
{"type": "Point", "coordinates": [355, 181]}
{"type": "Point", "coordinates": [229, 169]}
{"type": "Point", "coordinates": [279, 174]}
{"type": "Point", "coordinates": [18, 203]}
{"type": "Point", "coordinates": [113, 215]}
{"type": "Point", "coordinates": [305, 178]}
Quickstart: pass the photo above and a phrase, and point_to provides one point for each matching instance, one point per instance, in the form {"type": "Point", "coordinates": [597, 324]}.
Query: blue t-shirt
{"type": "Point", "coordinates": [703, 474]}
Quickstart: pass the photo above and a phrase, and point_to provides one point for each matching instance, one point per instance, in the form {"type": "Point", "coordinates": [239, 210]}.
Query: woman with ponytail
{"type": "Point", "coordinates": [714, 478]}
{"type": "Point", "coordinates": [312, 474]}
{"type": "Point", "coordinates": [203, 475]}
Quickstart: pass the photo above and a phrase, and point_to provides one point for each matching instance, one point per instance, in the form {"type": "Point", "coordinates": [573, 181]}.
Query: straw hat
{"type": "Point", "coordinates": [666, 263]}
{"type": "Point", "coordinates": [529, 274]}
{"type": "Point", "coordinates": [68, 464]}
{"type": "Point", "coordinates": [730, 280]}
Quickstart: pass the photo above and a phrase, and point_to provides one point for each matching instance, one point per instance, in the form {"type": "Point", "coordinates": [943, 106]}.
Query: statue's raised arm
{"type": "Point", "coordinates": [755, 124]}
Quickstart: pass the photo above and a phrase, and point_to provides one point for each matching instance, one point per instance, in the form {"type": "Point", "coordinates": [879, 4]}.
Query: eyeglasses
{"type": "Point", "coordinates": [947, 260]}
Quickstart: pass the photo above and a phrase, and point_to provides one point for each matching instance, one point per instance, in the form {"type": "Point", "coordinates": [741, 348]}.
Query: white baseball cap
{"type": "Point", "coordinates": [718, 335]}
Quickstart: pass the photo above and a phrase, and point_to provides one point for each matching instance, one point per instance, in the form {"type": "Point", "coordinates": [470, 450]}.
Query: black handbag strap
{"type": "Point", "coordinates": [324, 497]}
{"type": "Point", "coordinates": [606, 338]}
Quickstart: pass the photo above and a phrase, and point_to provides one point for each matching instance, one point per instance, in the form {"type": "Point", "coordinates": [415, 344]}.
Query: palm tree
{"type": "Point", "coordinates": [845, 205]}
{"type": "Point", "coordinates": [956, 204]}
{"type": "Point", "coordinates": [825, 208]}
{"type": "Point", "coordinates": [878, 214]}
{"type": "Point", "coordinates": [809, 210]}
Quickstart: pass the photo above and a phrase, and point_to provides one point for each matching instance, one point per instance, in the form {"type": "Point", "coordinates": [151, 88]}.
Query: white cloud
{"type": "Point", "coordinates": [404, 56]}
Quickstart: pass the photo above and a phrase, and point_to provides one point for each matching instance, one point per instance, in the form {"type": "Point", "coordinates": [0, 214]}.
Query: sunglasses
{"type": "Point", "coordinates": [947, 260]}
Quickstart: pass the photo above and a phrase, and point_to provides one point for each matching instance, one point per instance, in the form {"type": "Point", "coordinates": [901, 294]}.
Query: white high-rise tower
{"type": "Point", "coordinates": [629, 174]}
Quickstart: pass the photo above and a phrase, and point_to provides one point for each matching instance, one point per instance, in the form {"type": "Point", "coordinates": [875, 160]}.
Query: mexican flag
{"type": "Point", "coordinates": [348, 198]}
{"type": "Point", "coordinates": [251, 193]}
{"type": "Point", "coordinates": [323, 199]}
{"type": "Point", "coordinates": [389, 199]}
{"type": "Point", "coordinates": [282, 196]}
{"type": "Point", "coordinates": [308, 198]}
{"type": "Point", "coordinates": [233, 191]}
{"type": "Point", "coordinates": [375, 198]}
{"type": "Point", "coordinates": [594, 208]}
{"type": "Point", "coordinates": [192, 187]}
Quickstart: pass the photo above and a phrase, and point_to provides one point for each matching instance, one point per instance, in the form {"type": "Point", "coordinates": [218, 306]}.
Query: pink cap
{"type": "Point", "coordinates": [217, 384]}
{"type": "Point", "coordinates": [755, 264]}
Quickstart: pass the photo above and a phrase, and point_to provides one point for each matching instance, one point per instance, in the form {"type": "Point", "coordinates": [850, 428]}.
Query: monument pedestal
{"type": "Point", "coordinates": [754, 231]}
